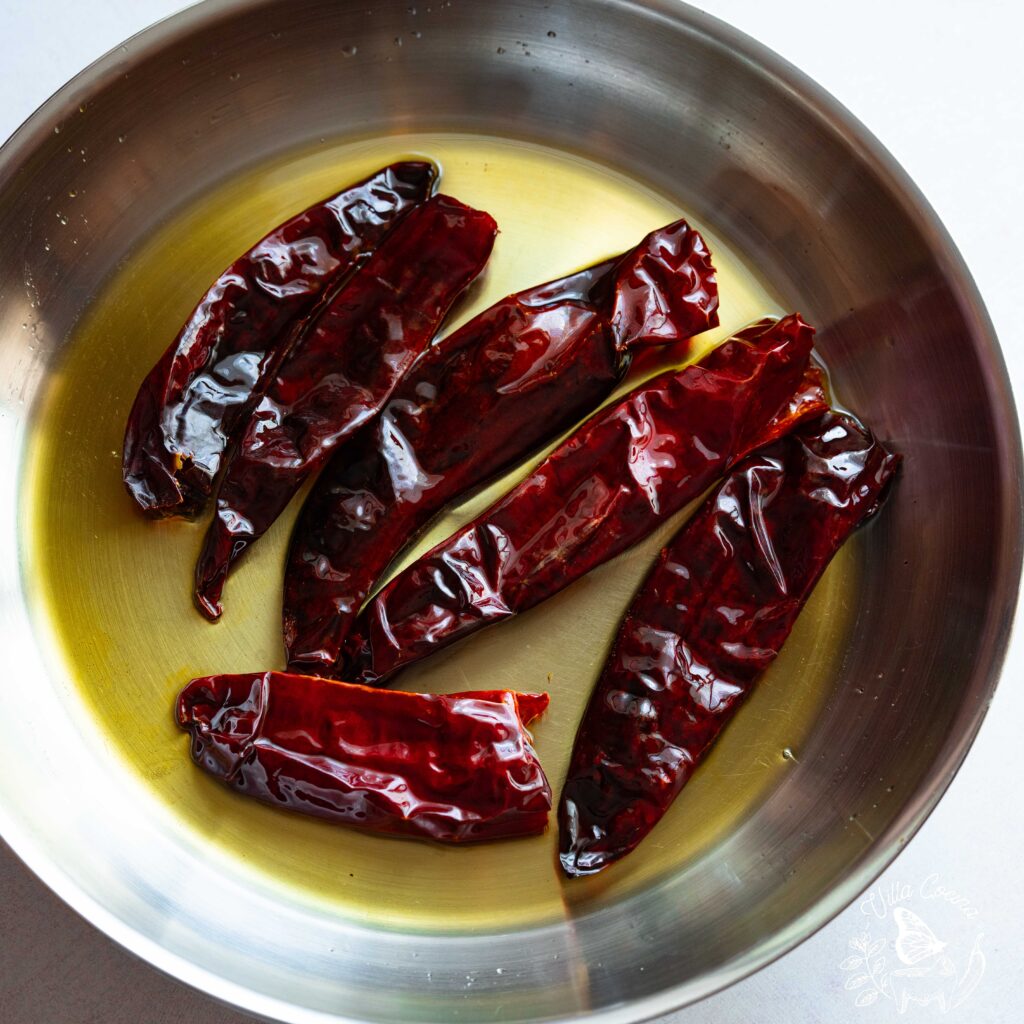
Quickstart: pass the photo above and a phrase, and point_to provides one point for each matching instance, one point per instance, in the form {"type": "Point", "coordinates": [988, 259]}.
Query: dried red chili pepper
{"type": "Point", "coordinates": [456, 768]}
{"type": "Point", "coordinates": [472, 405]}
{"type": "Point", "coordinates": [626, 470]}
{"type": "Point", "coordinates": [810, 400]}
{"type": "Point", "coordinates": [201, 391]}
{"type": "Point", "coordinates": [710, 618]}
{"type": "Point", "coordinates": [340, 372]}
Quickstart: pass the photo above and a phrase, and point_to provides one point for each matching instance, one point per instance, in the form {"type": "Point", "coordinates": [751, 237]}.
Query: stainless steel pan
{"type": "Point", "coordinates": [668, 96]}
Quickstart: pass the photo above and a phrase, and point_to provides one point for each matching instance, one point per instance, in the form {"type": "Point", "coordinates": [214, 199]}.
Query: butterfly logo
{"type": "Point", "coordinates": [915, 941]}
{"type": "Point", "coordinates": [925, 975]}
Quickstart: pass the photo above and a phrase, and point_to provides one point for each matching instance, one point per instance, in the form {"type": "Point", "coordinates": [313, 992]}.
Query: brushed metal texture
{"type": "Point", "coordinates": [791, 180]}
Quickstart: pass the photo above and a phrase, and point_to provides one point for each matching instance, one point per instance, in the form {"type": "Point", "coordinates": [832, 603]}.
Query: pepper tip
{"type": "Point", "coordinates": [209, 608]}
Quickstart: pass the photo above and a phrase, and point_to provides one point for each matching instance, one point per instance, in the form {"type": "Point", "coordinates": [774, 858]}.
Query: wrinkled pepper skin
{"type": "Point", "coordinates": [707, 622]}
{"type": "Point", "coordinates": [473, 405]}
{"type": "Point", "coordinates": [809, 400]}
{"type": "Point", "coordinates": [196, 399]}
{"type": "Point", "coordinates": [624, 472]}
{"type": "Point", "coordinates": [339, 373]}
{"type": "Point", "coordinates": [457, 768]}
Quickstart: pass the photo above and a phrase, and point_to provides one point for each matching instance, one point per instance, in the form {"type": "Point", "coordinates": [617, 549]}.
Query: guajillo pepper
{"type": "Point", "coordinates": [624, 472]}
{"type": "Point", "coordinates": [191, 405]}
{"type": "Point", "coordinates": [472, 405]}
{"type": "Point", "coordinates": [456, 768]}
{"type": "Point", "coordinates": [339, 373]}
{"type": "Point", "coordinates": [710, 618]}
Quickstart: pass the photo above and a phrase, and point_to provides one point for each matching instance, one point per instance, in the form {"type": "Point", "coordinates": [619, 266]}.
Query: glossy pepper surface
{"type": "Point", "coordinates": [455, 768]}
{"type": "Point", "coordinates": [198, 397]}
{"type": "Point", "coordinates": [628, 468]}
{"type": "Point", "coordinates": [340, 372]}
{"type": "Point", "coordinates": [709, 619]}
{"type": "Point", "coordinates": [472, 405]}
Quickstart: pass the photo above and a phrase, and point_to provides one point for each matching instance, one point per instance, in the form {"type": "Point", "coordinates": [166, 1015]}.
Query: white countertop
{"type": "Point", "coordinates": [941, 83]}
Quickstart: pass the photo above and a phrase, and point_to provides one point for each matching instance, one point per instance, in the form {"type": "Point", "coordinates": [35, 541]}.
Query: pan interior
{"type": "Point", "coordinates": [115, 589]}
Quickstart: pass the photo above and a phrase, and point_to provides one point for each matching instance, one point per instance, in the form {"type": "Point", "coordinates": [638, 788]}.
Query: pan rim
{"type": "Point", "coordinates": [992, 643]}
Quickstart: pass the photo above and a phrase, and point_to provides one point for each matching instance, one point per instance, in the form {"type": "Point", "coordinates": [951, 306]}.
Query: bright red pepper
{"type": "Point", "coordinates": [625, 471]}
{"type": "Point", "coordinates": [340, 372]}
{"type": "Point", "coordinates": [456, 768]}
{"type": "Point", "coordinates": [471, 406]}
{"type": "Point", "coordinates": [710, 618]}
{"type": "Point", "coordinates": [200, 393]}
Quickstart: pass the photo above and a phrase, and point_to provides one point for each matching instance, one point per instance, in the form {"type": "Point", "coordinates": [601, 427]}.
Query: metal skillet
{"type": "Point", "coordinates": [666, 96]}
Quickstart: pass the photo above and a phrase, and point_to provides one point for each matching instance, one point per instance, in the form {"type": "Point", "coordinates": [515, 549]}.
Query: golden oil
{"type": "Point", "coordinates": [115, 589]}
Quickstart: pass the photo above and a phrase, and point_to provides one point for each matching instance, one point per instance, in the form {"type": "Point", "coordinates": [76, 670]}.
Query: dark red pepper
{"type": "Point", "coordinates": [200, 393]}
{"type": "Point", "coordinates": [456, 768]}
{"type": "Point", "coordinates": [810, 400]}
{"type": "Point", "coordinates": [626, 470]}
{"type": "Point", "coordinates": [340, 372]}
{"type": "Point", "coordinates": [472, 405]}
{"type": "Point", "coordinates": [710, 618]}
